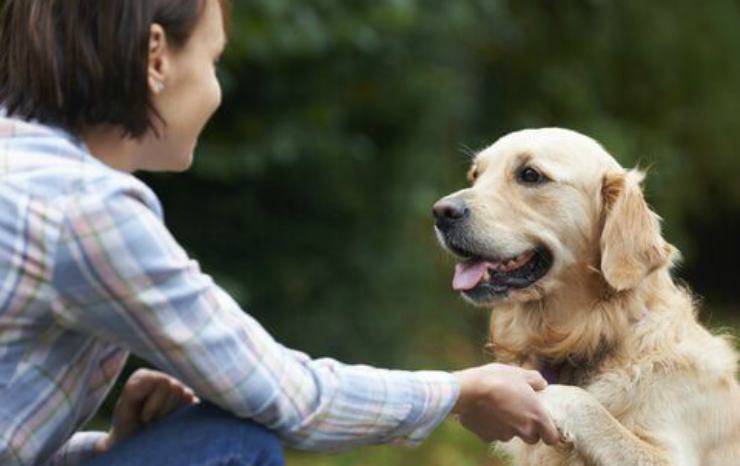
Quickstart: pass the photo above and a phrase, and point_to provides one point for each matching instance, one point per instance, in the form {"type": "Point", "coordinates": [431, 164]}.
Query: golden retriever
{"type": "Point", "coordinates": [556, 237]}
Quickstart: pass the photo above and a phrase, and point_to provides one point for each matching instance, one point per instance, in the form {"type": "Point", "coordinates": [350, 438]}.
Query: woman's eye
{"type": "Point", "coordinates": [528, 175]}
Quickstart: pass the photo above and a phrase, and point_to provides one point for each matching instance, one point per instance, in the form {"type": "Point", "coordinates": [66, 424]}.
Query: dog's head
{"type": "Point", "coordinates": [544, 206]}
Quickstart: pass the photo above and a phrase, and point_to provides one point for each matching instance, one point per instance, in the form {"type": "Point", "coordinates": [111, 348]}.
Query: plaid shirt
{"type": "Point", "coordinates": [89, 273]}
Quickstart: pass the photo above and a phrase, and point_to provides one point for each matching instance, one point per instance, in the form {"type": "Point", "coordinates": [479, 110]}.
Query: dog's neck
{"type": "Point", "coordinates": [574, 328]}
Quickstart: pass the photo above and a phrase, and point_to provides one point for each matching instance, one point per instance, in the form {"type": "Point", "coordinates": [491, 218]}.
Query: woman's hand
{"type": "Point", "coordinates": [498, 402]}
{"type": "Point", "coordinates": [147, 396]}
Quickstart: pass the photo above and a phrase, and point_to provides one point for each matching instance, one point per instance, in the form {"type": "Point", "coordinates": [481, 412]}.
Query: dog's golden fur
{"type": "Point", "coordinates": [647, 384]}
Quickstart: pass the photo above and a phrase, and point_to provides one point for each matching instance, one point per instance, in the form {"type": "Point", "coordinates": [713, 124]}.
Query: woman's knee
{"type": "Point", "coordinates": [242, 440]}
{"type": "Point", "coordinates": [199, 435]}
{"type": "Point", "coordinates": [258, 444]}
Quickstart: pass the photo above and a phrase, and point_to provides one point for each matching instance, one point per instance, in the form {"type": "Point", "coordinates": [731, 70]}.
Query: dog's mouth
{"type": "Point", "coordinates": [481, 279]}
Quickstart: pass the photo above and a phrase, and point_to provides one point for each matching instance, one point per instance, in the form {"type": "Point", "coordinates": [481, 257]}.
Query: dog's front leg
{"type": "Point", "coordinates": [595, 433]}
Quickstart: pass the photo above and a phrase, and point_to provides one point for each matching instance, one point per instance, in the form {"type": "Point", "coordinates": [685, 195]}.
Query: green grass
{"type": "Point", "coordinates": [449, 445]}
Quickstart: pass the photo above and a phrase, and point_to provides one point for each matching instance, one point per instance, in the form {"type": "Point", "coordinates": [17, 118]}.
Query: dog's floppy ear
{"type": "Point", "coordinates": [631, 243]}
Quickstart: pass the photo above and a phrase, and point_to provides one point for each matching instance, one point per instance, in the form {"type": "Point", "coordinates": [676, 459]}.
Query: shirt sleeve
{"type": "Point", "coordinates": [121, 276]}
{"type": "Point", "coordinates": [81, 447]}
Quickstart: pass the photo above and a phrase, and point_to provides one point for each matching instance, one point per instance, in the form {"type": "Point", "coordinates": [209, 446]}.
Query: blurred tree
{"type": "Point", "coordinates": [343, 121]}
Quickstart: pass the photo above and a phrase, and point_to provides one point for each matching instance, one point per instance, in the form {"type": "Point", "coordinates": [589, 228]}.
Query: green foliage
{"type": "Point", "coordinates": [343, 122]}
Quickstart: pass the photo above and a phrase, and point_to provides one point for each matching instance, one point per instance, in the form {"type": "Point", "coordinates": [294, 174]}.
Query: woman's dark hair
{"type": "Point", "coordinates": [78, 63]}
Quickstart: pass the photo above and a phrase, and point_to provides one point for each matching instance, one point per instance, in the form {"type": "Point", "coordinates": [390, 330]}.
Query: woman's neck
{"type": "Point", "coordinates": [111, 147]}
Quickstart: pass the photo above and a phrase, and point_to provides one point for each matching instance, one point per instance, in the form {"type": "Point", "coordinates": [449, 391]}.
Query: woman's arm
{"type": "Point", "coordinates": [121, 276]}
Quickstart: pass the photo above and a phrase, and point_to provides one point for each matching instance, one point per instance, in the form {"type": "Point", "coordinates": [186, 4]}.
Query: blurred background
{"type": "Point", "coordinates": [343, 121]}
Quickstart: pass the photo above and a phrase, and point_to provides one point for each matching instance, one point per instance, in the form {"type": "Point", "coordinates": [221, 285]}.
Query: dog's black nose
{"type": "Point", "coordinates": [449, 210]}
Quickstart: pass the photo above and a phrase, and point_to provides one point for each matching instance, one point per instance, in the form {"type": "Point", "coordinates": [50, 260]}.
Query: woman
{"type": "Point", "coordinates": [92, 92]}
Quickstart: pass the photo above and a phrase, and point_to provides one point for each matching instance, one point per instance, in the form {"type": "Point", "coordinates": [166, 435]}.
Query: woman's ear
{"type": "Point", "coordinates": [631, 242]}
{"type": "Point", "coordinates": [158, 63]}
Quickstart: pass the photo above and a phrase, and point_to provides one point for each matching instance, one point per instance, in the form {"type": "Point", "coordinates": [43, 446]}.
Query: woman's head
{"type": "Point", "coordinates": [142, 68]}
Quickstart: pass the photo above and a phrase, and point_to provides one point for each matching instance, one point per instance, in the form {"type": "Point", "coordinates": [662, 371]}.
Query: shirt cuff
{"type": "Point", "coordinates": [432, 398]}
{"type": "Point", "coordinates": [81, 447]}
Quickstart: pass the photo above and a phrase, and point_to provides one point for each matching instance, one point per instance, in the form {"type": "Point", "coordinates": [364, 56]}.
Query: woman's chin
{"type": "Point", "coordinates": [172, 165]}
{"type": "Point", "coordinates": [185, 163]}
{"type": "Point", "coordinates": [179, 161]}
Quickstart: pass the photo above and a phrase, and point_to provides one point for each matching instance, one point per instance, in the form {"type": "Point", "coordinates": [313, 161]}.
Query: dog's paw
{"type": "Point", "coordinates": [567, 406]}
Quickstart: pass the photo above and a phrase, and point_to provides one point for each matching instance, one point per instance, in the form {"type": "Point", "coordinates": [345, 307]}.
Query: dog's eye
{"type": "Point", "coordinates": [473, 174]}
{"type": "Point", "coordinates": [528, 175]}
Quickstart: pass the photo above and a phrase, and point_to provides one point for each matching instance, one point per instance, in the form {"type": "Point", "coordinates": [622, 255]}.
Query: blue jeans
{"type": "Point", "coordinates": [199, 435]}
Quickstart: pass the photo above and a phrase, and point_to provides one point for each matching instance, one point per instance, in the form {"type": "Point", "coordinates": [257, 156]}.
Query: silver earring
{"type": "Point", "coordinates": [158, 86]}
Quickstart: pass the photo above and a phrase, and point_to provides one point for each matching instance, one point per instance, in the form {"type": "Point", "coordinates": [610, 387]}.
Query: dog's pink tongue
{"type": "Point", "coordinates": [468, 275]}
